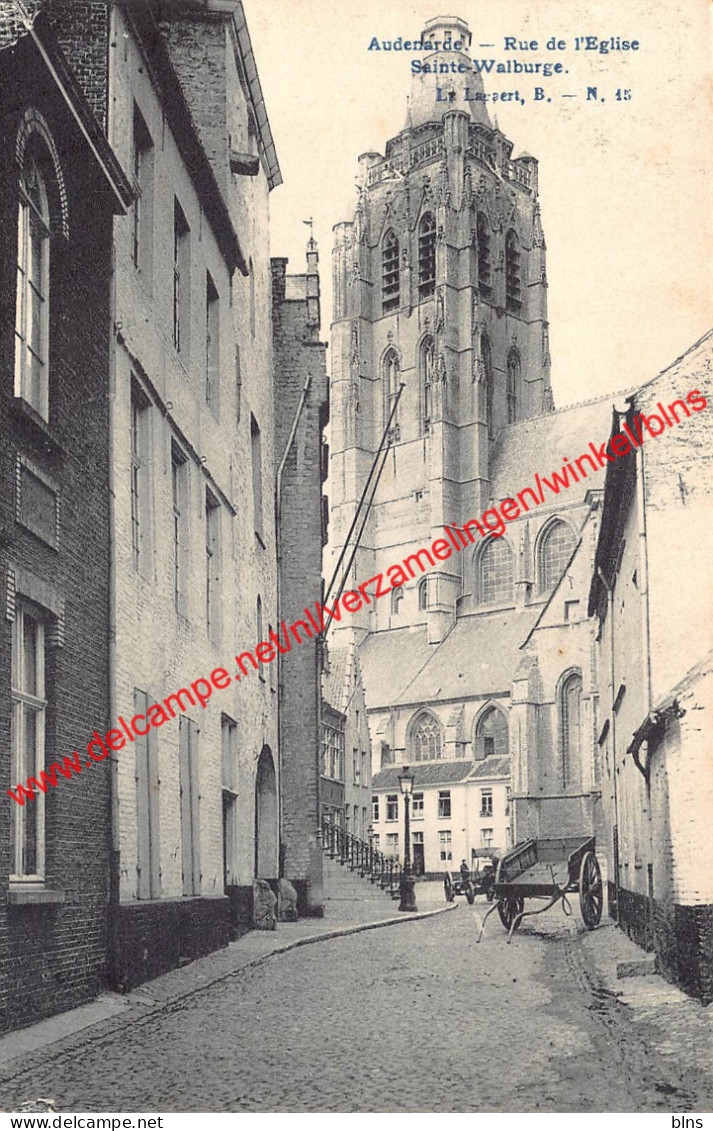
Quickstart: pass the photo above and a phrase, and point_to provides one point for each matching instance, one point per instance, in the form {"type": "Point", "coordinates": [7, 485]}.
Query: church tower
{"type": "Point", "coordinates": [440, 284]}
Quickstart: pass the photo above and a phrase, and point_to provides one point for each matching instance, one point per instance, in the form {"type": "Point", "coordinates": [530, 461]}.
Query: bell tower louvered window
{"type": "Point", "coordinates": [485, 281]}
{"type": "Point", "coordinates": [426, 256]}
{"type": "Point", "coordinates": [390, 279]}
{"type": "Point", "coordinates": [513, 283]}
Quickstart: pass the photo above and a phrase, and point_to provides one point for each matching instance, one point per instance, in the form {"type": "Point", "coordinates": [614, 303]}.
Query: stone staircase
{"type": "Point", "coordinates": [355, 873]}
{"type": "Point", "coordinates": [346, 894]}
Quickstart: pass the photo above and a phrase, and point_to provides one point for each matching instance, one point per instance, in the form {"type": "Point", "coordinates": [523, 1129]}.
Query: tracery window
{"type": "Point", "coordinates": [390, 275]}
{"type": "Point", "coordinates": [426, 256]}
{"type": "Point", "coordinates": [426, 738]}
{"type": "Point", "coordinates": [495, 573]}
{"type": "Point", "coordinates": [423, 594]}
{"type": "Point", "coordinates": [554, 551]}
{"type": "Point", "coordinates": [491, 735]}
{"type": "Point", "coordinates": [570, 727]}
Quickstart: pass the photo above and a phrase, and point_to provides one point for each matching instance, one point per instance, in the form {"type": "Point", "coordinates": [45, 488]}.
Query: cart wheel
{"type": "Point", "coordinates": [509, 908]}
{"type": "Point", "coordinates": [470, 892]}
{"type": "Point", "coordinates": [591, 898]}
{"type": "Point", "coordinates": [448, 888]}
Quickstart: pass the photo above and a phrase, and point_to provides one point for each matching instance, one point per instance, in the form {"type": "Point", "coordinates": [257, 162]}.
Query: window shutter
{"type": "Point", "coordinates": [186, 810]}
{"type": "Point", "coordinates": [193, 733]}
{"type": "Point", "coordinates": [143, 818]}
{"type": "Point", "coordinates": [154, 810]}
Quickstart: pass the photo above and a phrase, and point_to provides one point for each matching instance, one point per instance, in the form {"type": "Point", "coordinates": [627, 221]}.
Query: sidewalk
{"type": "Point", "coordinates": [661, 1015]}
{"type": "Point", "coordinates": [111, 1012]}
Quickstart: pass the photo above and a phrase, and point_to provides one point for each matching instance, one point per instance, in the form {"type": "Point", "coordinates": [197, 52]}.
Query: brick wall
{"type": "Point", "coordinates": [297, 352]}
{"type": "Point", "coordinates": [54, 956]}
{"type": "Point", "coordinates": [82, 30]}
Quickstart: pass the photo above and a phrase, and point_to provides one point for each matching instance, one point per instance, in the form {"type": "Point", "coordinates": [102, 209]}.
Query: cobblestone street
{"type": "Point", "coordinates": [414, 1017]}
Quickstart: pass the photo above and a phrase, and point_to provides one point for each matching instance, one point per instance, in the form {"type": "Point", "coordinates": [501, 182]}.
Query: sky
{"type": "Point", "coordinates": [626, 186]}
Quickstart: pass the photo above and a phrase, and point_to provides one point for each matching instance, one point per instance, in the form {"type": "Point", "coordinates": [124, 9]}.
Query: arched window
{"type": "Point", "coordinates": [486, 355]}
{"type": "Point", "coordinates": [513, 289]}
{"type": "Point", "coordinates": [426, 256]}
{"type": "Point", "coordinates": [570, 728]}
{"type": "Point", "coordinates": [554, 551]}
{"type": "Point", "coordinates": [33, 279]}
{"type": "Point", "coordinates": [390, 371]}
{"type": "Point", "coordinates": [514, 370]}
{"type": "Point", "coordinates": [423, 594]}
{"type": "Point", "coordinates": [426, 743]}
{"type": "Point", "coordinates": [390, 272]}
{"type": "Point", "coordinates": [426, 372]}
{"type": "Point", "coordinates": [495, 573]}
{"type": "Point", "coordinates": [491, 734]}
{"type": "Point", "coordinates": [485, 282]}
{"type": "Point", "coordinates": [397, 596]}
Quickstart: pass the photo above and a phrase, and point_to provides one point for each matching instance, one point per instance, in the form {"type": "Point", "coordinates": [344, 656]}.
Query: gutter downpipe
{"type": "Point", "coordinates": [114, 326]}
{"type": "Point", "coordinates": [610, 612]}
{"type": "Point", "coordinates": [646, 644]}
{"type": "Point", "coordinates": [278, 548]}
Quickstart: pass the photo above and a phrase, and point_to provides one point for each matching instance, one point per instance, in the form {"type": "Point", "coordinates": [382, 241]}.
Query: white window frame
{"type": "Point", "coordinates": [417, 813]}
{"type": "Point", "coordinates": [445, 845]}
{"type": "Point", "coordinates": [21, 770]}
{"type": "Point", "coordinates": [444, 802]}
{"type": "Point", "coordinates": [26, 343]}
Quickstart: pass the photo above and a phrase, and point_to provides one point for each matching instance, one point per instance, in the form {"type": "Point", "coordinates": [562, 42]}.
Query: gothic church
{"type": "Point", "coordinates": [483, 666]}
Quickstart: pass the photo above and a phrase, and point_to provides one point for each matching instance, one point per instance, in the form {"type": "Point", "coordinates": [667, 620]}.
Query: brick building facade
{"type": "Point", "coordinates": [60, 186]}
{"type": "Point", "coordinates": [194, 803]}
{"type": "Point", "coordinates": [651, 596]}
{"type": "Point", "coordinates": [441, 285]}
{"type": "Point", "coordinates": [346, 745]}
{"type": "Point", "coordinates": [301, 414]}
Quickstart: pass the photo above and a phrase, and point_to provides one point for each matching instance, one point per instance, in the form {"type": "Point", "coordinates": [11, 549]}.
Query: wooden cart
{"type": "Point", "coordinates": [548, 870]}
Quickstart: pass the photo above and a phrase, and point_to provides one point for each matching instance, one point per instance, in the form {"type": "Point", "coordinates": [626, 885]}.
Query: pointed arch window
{"type": "Point", "coordinates": [486, 355]}
{"type": "Point", "coordinates": [426, 740]}
{"type": "Point", "coordinates": [390, 274]}
{"type": "Point", "coordinates": [554, 551]}
{"type": "Point", "coordinates": [495, 573]}
{"type": "Point", "coordinates": [426, 256]}
{"type": "Point", "coordinates": [491, 735]}
{"type": "Point", "coordinates": [514, 369]}
{"type": "Point", "coordinates": [513, 284]}
{"type": "Point", "coordinates": [423, 594]}
{"type": "Point", "coordinates": [397, 596]}
{"type": "Point", "coordinates": [33, 279]}
{"type": "Point", "coordinates": [570, 728]}
{"type": "Point", "coordinates": [426, 368]}
{"type": "Point", "coordinates": [391, 371]}
{"type": "Point", "coordinates": [485, 281]}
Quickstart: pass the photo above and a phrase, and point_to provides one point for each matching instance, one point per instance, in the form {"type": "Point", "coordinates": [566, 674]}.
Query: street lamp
{"type": "Point", "coordinates": [408, 895]}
